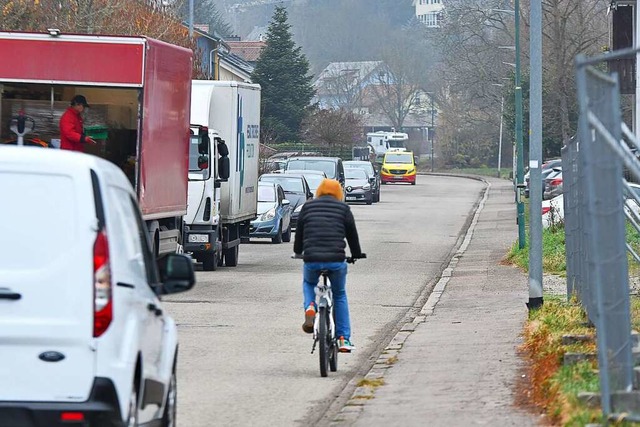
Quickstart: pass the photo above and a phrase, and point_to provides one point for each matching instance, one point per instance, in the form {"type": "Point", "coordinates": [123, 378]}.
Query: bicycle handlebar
{"type": "Point", "coordinates": [350, 260]}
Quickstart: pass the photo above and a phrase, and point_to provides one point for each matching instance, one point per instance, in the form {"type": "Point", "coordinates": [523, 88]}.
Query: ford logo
{"type": "Point", "coordinates": [349, 189]}
{"type": "Point", "coordinates": [51, 356]}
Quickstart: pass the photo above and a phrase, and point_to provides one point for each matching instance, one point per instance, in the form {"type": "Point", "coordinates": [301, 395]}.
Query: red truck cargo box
{"type": "Point", "coordinates": [161, 70]}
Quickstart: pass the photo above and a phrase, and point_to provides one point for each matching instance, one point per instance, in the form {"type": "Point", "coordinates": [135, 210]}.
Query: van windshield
{"type": "Point", "coordinates": [193, 158]}
{"type": "Point", "coordinates": [400, 158]}
{"type": "Point", "coordinates": [326, 166]}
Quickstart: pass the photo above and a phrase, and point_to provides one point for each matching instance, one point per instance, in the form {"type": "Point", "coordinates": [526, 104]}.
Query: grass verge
{"type": "Point", "coordinates": [554, 387]}
{"type": "Point", "coordinates": [425, 166]}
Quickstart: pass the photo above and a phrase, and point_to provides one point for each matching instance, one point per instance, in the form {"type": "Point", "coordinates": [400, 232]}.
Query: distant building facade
{"type": "Point", "coordinates": [429, 12]}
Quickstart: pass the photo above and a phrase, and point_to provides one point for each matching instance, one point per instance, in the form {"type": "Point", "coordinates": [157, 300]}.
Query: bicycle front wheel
{"type": "Point", "coordinates": [324, 340]}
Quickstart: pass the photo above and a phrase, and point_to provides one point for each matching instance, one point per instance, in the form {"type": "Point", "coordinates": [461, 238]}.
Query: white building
{"type": "Point", "coordinates": [429, 12]}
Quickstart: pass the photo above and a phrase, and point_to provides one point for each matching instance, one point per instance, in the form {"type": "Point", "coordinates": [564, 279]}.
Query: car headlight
{"type": "Point", "coordinates": [270, 214]}
{"type": "Point", "coordinates": [299, 208]}
{"type": "Point", "coordinates": [412, 170]}
{"type": "Point", "coordinates": [366, 187]}
{"type": "Point", "coordinates": [385, 170]}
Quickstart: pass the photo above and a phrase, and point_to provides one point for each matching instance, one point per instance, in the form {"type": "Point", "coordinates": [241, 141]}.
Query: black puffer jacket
{"type": "Point", "coordinates": [323, 224]}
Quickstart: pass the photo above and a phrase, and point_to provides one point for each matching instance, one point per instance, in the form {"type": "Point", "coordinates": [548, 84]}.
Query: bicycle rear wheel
{"type": "Point", "coordinates": [333, 348]}
{"type": "Point", "coordinates": [324, 339]}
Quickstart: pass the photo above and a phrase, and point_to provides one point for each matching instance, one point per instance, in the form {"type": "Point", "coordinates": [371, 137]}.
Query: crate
{"type": "Point", "coordinates": [96, 132]}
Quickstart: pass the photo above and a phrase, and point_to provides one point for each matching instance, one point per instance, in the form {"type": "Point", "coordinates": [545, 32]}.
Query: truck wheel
{"type": "Point", "coordinates": [278, 237]}
{"type": "Point", "coordinates": [231, 256]}
{"type": "Point", "coordinates": [286, 237]}
{"type": "Point", "coordinates": [210, 261]}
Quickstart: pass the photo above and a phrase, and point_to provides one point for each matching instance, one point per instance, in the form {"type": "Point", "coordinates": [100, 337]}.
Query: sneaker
{"type": "Point", "coordinates": [309, 317]}
{"type": "Point", "coordinates": [345, 346]}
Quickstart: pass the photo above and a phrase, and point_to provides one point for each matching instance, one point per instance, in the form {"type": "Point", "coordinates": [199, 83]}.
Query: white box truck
{"type": "Point", "coordinates": [223, 170]}
{"type": "Point", "coordinates": [381, 142]}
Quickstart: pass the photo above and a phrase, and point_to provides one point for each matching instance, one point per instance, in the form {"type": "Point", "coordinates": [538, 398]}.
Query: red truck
{"type": "Point", "coordinates": [139, 92]}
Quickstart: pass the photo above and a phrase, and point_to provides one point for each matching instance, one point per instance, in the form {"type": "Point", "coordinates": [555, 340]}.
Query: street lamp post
{"type": "Point", "coordinates": [522, 238]}
{"type": "Point", "coordinates": [500, 138]}
{"type": "Point", "coordinates": [431, 129]}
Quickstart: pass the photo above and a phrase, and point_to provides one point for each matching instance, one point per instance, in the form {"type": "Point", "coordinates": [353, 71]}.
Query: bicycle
{"type": "Point", "coordinates": [324, 325]}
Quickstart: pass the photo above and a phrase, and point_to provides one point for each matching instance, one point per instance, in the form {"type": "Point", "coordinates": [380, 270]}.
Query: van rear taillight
{"type": "Point", "coordinates": [102, 296]}
{"type": "Point", "coordinates": [73, 417]}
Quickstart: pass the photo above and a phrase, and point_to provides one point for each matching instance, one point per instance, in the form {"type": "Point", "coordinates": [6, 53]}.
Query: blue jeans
{"type": "Point", "coordinates": [338, 278]}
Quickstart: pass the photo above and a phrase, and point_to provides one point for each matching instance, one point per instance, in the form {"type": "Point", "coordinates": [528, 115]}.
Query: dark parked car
{"type": "Point", "coordinates": [274, 214]}
{"type": "Point", "coordinates": [296, 189]}
{"type": "Point", "coordinates": [314, 178]}
{"type": "Point", "coordinates": [374, 175]}
{"type": "Point", "coordinates": [547, 168]}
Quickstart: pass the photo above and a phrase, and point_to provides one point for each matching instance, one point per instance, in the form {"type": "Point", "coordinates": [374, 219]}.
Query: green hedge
{"type": "Point", "coordinates": [344, 152]}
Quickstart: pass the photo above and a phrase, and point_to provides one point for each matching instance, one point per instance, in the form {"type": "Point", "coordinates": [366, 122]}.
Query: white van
{"type": "Point", "coordinates": [83, 337]}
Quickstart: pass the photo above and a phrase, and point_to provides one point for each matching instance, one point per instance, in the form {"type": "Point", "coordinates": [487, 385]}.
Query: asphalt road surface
{"type": "Point", "coordinates": [244, 359]}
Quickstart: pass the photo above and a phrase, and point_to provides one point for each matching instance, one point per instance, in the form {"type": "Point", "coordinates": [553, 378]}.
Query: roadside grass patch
{"type": "Point", "coordinates": [482, 171]}
{"type": "Point", "coordinates": [555, 387]}
{"type": "Point", "coordinates": [391, 360]}
{"type": "Point", "coordinates": [371, 383]}
{"type": "Point", "coordinates": [553, 252]}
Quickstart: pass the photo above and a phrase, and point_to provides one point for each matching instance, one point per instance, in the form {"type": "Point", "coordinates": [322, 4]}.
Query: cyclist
{"type": "Point", "coordinates": [323, 225]}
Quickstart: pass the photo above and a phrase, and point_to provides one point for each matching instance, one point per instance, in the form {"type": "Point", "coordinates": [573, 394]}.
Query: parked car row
{"type": "Point", "coordinates": [282, 194]}
{"type": "Point", "coordinates": [550, 187]}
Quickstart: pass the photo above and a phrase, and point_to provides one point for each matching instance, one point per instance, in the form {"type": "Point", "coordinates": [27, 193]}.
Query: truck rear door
{"type": "Point", "coordinates": [47, 224]}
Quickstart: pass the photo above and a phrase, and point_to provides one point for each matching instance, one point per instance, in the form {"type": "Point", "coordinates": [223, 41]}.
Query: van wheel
{"type": "Point", "coordinates": [210, 261]}
{"type": "Point", "coordinates": [278, 237]}
{"type": "Point", "coordinates": [132, 418]}
{"type": "Point", "coordinates": [286, 237]}
{"type": "Point", "coordinates": [171, 404]}
{"type": "Point", "coordinates": [231, 256]}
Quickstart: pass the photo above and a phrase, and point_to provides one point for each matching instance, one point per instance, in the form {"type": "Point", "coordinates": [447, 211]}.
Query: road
{"type": "Point", "coordinates": [244, 359]}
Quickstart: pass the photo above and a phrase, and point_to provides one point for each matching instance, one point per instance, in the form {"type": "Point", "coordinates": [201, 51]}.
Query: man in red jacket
{"type": "Point", "coordinates": [71, 128]}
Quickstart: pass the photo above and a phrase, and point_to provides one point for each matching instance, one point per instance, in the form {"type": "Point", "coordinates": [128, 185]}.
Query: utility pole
{"type": "Point", "coordinates": [522, 238]}
{"type": "Point", "coordinates": [535, 159]}
{"type": "Point", "coordinates": [191, 18]}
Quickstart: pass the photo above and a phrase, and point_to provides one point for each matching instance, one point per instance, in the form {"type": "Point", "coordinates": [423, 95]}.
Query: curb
{"type": "Point", "coordinates": [375, 377]}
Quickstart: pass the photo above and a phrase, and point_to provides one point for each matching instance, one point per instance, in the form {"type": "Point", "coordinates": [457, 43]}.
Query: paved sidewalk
{"type": "Point", "coordinates": [456, 365]}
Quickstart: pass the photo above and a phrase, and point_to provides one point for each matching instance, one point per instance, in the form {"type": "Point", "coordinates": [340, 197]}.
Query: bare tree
{"type": "Point", "coordinates": [403, 78]}
{"type": "Point", "coordinates": [336, 129]}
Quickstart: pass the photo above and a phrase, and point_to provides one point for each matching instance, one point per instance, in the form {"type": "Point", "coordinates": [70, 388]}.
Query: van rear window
{"type": "Point", "coordinates": [37, 217]}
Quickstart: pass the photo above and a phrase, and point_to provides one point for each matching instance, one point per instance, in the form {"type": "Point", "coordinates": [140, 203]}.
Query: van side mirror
{"type": "Point", "coordinates": [176, 273]}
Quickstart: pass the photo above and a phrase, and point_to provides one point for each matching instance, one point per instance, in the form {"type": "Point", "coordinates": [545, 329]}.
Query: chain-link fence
{"type": "Point", "coordinates": [595, 209]}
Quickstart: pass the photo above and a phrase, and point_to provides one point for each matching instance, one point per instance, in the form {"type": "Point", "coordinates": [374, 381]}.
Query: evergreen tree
{"type": "Point", "coordinates": [283, 72]}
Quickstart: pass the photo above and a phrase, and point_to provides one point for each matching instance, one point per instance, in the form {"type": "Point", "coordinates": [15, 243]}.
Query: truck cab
{"type": "Point", "coordinates": [223, 170]}
{"type": "Point", "coordinates": [207, 170]}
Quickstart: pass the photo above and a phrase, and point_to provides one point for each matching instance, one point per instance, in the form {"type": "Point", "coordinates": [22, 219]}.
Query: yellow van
{"type": "Point", "coordinates": [398, 166]}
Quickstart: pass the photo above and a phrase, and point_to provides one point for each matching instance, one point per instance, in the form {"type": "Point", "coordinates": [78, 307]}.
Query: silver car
{"type": "Point", "coordinates": [357, 186]}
